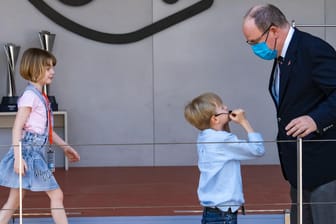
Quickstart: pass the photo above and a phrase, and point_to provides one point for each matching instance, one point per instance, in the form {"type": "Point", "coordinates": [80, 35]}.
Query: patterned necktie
{"type": "Point", "coordinates": [276, 79]}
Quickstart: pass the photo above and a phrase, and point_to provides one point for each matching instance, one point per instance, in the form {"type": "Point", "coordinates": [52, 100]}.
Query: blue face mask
{"type": "Point", "coordinates": [263, 51]}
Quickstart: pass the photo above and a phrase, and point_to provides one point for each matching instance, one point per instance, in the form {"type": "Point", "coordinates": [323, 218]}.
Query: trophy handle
{"type": "Point", "coordinates": [12, 52]}
{"type": "Point", "coordinates": [47, 40]}
{"type": "Point", "coordinates": [9, 102]}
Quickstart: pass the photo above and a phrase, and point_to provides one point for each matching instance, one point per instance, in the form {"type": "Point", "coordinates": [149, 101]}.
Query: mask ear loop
{"type": "Point", "coordinates": [275, 42]}
{"type": "Point", "coordinates": [276, 39]}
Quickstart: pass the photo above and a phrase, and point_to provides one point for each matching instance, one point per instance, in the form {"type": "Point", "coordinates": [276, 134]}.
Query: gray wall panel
{"type": "Point", "coordinates": [122, 98]}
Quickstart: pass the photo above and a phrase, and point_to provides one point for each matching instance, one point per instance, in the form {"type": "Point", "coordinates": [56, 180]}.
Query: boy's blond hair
{"type": "Point", "coordinates": [34, 63]}
{"type": "Point", "coordinates": [200, 110]}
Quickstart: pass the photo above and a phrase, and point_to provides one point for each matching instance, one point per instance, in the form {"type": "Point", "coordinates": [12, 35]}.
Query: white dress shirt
{"type": "Point", "coordinates": [219, 156]}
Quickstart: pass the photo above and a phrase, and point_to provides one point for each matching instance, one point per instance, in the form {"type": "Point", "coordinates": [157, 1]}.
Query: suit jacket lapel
{"type": "Point", "coordinates": [284, 78]}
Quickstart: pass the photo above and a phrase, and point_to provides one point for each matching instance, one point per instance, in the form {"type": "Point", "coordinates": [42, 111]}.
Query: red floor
{"type": "Point", "coordinates": [118, 191]}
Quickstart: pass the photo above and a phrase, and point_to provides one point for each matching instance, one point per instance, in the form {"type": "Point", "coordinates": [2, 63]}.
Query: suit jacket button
{"type": "Point", "coordinates": [279, 119]}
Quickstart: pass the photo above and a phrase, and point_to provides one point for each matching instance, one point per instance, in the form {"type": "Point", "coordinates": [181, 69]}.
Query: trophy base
{"type": "Point", "coordinates": [53, 103]}
{"type": "Point", "coordinates": [9, 104]}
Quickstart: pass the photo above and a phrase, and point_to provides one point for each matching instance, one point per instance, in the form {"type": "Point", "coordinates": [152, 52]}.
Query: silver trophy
{"type": "Point", "coordinates": [9, 102]}
{"type": "Point", "coordinates": [47, 40]}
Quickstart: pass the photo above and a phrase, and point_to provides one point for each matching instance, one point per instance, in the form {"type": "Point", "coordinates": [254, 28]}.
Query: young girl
{"type": "Point", "coordinates": [33, 127]}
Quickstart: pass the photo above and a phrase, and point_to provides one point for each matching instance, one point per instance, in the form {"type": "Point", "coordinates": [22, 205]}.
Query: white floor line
{"type": "Point", "coordinates": [192, 219]}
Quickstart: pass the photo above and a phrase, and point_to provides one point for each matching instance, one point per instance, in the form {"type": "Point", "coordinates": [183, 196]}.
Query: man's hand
{"type": "Point", "coordinates": [301, 126]}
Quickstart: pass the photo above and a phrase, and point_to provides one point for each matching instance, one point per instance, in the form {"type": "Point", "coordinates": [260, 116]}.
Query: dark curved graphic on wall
{"type": "Point", "coordinates": [75, 2]}
{"type": "Point", "coordinates": [123, 38]}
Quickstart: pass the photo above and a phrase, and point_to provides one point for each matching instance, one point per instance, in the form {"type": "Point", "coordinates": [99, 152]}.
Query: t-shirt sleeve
{"type": "Point", "coordinates": [28, 99]}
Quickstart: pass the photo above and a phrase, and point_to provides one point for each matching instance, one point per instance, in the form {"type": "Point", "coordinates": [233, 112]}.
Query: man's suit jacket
{"type": "Point", "coordinates": [308, 87]}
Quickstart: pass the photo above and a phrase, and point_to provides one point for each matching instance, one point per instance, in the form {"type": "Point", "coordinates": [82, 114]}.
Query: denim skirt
{"type": "Point", "coordinates": [37, 177]}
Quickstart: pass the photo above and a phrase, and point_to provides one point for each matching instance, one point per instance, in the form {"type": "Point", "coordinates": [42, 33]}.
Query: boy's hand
{"type": "Point", "coordinates": [238, 116]}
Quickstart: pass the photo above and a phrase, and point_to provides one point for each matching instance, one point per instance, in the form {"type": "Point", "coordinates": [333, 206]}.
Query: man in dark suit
{"type": "Point", "coordinates": [303, 87]}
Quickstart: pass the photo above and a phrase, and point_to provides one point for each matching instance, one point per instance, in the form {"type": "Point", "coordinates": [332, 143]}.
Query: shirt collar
{"type": "Point", "coordinates": [287, 41]}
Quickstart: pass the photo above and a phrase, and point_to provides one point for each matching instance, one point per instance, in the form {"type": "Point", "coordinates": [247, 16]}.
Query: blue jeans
{"type": "Point", "coordinates": [216, 216]}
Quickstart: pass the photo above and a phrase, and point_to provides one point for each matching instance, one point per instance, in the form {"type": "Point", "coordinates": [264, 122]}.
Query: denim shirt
{"type": "Point", "coordinates": [219, 156]}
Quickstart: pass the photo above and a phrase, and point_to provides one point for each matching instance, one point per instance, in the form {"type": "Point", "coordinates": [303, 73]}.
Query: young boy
{"type": "Point", "coordinates": [219, 155]}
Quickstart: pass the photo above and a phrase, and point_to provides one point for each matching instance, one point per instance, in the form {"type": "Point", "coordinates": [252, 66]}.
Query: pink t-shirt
{"type": "Point", "coordinates": [36, 122]}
